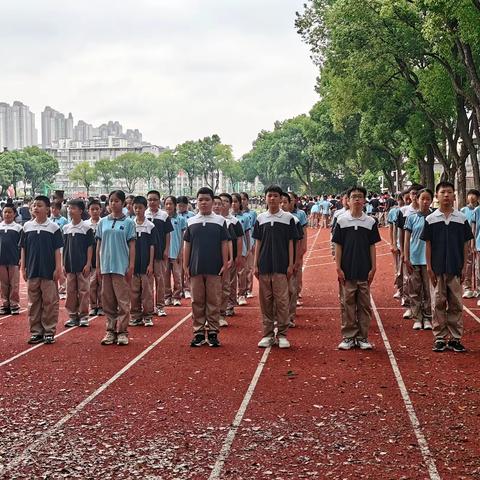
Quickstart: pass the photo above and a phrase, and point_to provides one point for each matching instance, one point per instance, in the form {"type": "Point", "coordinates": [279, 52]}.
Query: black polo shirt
{"type": "Point", "coordinates": [146, 235]}
{"type": "Point", "coordinates": [163, 226]}
{"type": "Point", "coordinates": [235, 230]}
{"type": "Point", "coordinates": [40, 241]}
{"type": "Point", "coordinates": [447, 237]}
{"type": "Point", "coordinates": [274, 230]}
{"type": "Point", "coordinates": [77, 239]}
{"type": "Point", "coordinates": [205, 233]}
{"type": "Point", "coordinates": [9, 239]}
{"type": "Point", "coordinates": [93, 226]}
{"type": "Point", "coordinates": [356, 235]}
{"type": "Point", "coordinates": [403, 214]}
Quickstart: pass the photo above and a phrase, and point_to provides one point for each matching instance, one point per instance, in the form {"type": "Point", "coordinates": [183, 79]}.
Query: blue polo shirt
{"type": "Point", "coordinates": [253, 218]}
{"type": "Point", "coordinates": [244, 219]}
{"type": "Point", "coordinates": [476, 222]}
{"type": "Point", "coordinates": [301, 215]}
{"type": "Point", "coordinates": [325, 205]}
{"type": "Point", "coordinates": [115, 235]}
{"type": "Point", "coordinates": [60, 221]}
{"type": "Point", "coordinates": [179, 224]}
{"type": "Point", "coordinates": [469, 213]}
{"type": "Point", "coordinates": [415, 224]}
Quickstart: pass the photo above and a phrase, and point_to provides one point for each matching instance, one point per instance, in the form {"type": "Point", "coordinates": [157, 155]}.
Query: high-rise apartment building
{"type": "Point", "coordinates": [17, 126]}
{"type": "Point", "coordinates": [55, 126]}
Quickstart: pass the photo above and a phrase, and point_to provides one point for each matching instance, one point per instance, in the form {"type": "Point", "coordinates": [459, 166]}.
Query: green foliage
{"type": "Point", "coordinates": [188, 154]}
{"type": "Point", "coordinates": [128, 167]}
{"type": "Point", "coordinates": [85, 174]}
{"type": "Point", "coordinates": [11, 170]}
{"type": "Point", "coordinates": [168, 169]}
{"type": "Point", "coordinates": [38, 168]}
{"type": "Point", "coordinates": [105, 171]}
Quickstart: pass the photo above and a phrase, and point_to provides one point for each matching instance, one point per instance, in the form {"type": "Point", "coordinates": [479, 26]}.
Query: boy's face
{"type": "Point", "coordinates": [345, 201]}
{"type": "Point", "coordinates": [413, 196]}
{"type": "Point", "coordinates": [225, 206]}
{"type": "Point", "coordinates": [153, 202]}
{"type": "Point", "coordinates": [472, 199]}
{"type": "Point", "coordinates": [40, 209]}
{"type": "Point", "coordinates": [8, 215]}
{"type": "Point", "coordinates": [74, 211]}
{"type": "Point", "coordinates": [169, 206]}
{"type": "Point", "coordinates": [139, 210]}
{"type": "Point", "coordinates": [446, 196]}
{"type": "Point", "coordinates": [425, 200]}
{"type": "Point", "coordinates": [204, 203]}
{"type": "Point", "coordinates": [285, 204]}
{"type": "Point", "coordinates": [94, 211]}
{"type": "Point", "coordinates": [55, 211]}
{"type": "Point", "coordinates": [356, 200]}
{"type": "Point", "coordinates": [182, 207]}
{"type": "Point", "coordinates": [273, 200]}
{"type": "Point", "coordinates": [217, 206]}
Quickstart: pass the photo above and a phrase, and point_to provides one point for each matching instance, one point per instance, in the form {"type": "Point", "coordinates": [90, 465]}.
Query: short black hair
{"type": "Point", "coordinates": [154, 192]}
{"type": "Point", "coordinates": [227, 196]}
{"type": "Point", "coordinates": [12, 206]}
{"type": "Point", "coordinates": [42, 198]}
{"type": "Point", "coordinates": [274, 189]}
{"type": "Point", "coordinates": [357, 189]}
{"type": "Point", "coordinates": [473, 191]}
{"type": "Point", "coordinates": [217, 197]}
{"type": "Point", "coordinates": [183, 199]}
{"type": "Point", "coordinates": [416, 186]}
{"type": "Point", "coordinates": [173, 198]}
{"type": "Point", "coordinates": [286, 195]}
{"type": "Point", "coordinates": [77, 202]}
{"type": "Point", "coordinates": [56, 204]}
{"type": "Point", "coordinates": [120, 194]}
{"type": "Point", "coordinates": [239, 200]}
{"type": "Point", "coordinates": [132, 197]}
{"type": "Point", "coordinates": [444, 184]}
{"type": "Point", "coordinates": [205, 191]}
{"type": "Point", "coordinates": [94, 201]}
{"type": "Point", "coordinates": [425, 190]}
{"type": "Point", "coordinates": [245, 194]}
{"type": "Point", "coordinates": [140, 199]}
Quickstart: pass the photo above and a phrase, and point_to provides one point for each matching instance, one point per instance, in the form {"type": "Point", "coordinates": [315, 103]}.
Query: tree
{"type": "Point", "coordinates": [105, 170]}
{"type": "Point", "coordinates": [84, 174]}
{"type": "Point", "coordinates": [188, 154]}
{"type": "Point", "coordinates": [232, 169]}
{"type": "Point", "coordinates": [150, 166]}
{"type": "Point", "coordinates": [167, 169]}
{"type": "Point", "coordinates": [128, 167]}
{"type": "Point", "coordinates": [12, 170]}
{"type": "Point", "coordinates": [39, 168]}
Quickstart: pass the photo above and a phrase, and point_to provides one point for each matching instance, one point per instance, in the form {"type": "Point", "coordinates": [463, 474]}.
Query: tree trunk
{"type": "Point", "coordinates": [426, 169]}
{"type": "Point", "coordinates": [461, 185]}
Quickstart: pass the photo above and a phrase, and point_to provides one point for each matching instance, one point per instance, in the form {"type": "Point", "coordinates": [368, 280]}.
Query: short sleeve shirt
{"type": "Point", "coordinates": [415, 224]}
{"type": "Point", "coordinates": [60, 221]}
{"type": "Point", "coordinates": [40, 241]}
{"type": "Point", "coordinates": [244, 219]}
{"type": "Point", "coordinates": [302, 217]}
{"type": "Point", "coordinates": [115, 235]}
{"type": "Point", "coordinates": [469, 213]}
{"type": "Point", "coordinates": [235, 231]}
{"type": "Point", "coordinates": [163, 225]}
{"type": "Point", "coordinates": [179, 224]}
{"type": "Point", "coordinates": [356, 235]}
{"type": "Point", "coordinates": [476, 221]}
{"type": "Point", "coordinates": [93, 226]}
{"type": "Point", "coordinates": [145, 238]}
{"type": "Point", "coordinates": [9, 239]}
{"type": "Point", "coordinates": [325, 205]}
{"type": "Point", "coordinates": [77, 239]}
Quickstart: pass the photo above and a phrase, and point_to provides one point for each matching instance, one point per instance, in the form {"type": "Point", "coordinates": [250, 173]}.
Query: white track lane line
{"type": "Point", "coordinates": [10, 315]}
{"type": "Point", "coordinates": [310, 250]}
{"type": "Point", "coordinates": [28, 350]}
{"type": "Point", "coordinates": [422, 441]}
{"type": "Point", "coordinates": [227, 444]}
{"type": "Point", "coordinates": [44, 437]}
{"type": "Point", "coordinates": [471, 314]}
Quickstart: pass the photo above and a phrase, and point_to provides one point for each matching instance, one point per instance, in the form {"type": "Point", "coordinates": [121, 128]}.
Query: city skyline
{"type": "Point", "coordinates": [177, 71]}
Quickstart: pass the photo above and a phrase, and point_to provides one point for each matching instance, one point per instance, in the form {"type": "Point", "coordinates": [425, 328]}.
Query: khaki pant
{"type": "Point", "coordinates": [293, 296]}
{"type": "Point", "coordinates": [42, 306]}
{"type": "Point", "coordinates": [420, 301]}
{"type": "Point", "coordinates": [225, 292]}
{"type": "Point", "coordinates": [274, 302]}
{"type": "Point", "coordinates": [232, 298]}
{"type": "Point", "coordinates": [95, 290]}
{"type": "Point", "coordinates": [116, 302]}
{"type": "Point", "coordinates": [398, 272]}
{"type": "Point", "coordinates": [249, 267]}
{"type": "Point", "coordinates": [300, 280]}
{"type": "Point", "coordinates": [206, 293]}
{"type": "Point", "coordinates": [77, 295]}
{"type": "Point", "coordinates": [447, 307]}
{"type": "Point", "coordinates": [470, 270]}
{"type": "Point", "coordinates": [173, 269]}
{"type": "Point", "coordinates": [185, 283]}
{"type": "Point", "coordinates": [159, 267]}
{"type": "Point", "coordinates": [356, 308]}
{"type": "Point", "coordinates": [141, 297]}
{"type": "Point", "coordinates": [242, 280]}
{"type": "Point", "coordinates": [406, 286]}
{"type": "Point", "coordinates": [9, 286]}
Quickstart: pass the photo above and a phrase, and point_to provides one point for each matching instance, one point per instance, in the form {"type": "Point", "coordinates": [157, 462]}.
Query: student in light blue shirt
{"type": "Point", "coordinates": [55, 215]}
{"type": "Point", "coordinates": [416, 263]}
{"type": "Point", "coordinates": [469, 286]}
{"type": "Point", "coordinates": [174, 266]}
{"type": "Point", "coordinates": [395, 246]}
{"type": "Point", "coordinates": [249, 259]}
{"type": "Point", "coordinates": [325, 207]}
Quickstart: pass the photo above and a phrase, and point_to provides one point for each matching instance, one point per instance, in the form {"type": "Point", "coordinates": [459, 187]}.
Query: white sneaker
{"type": "Point", "coordinates": [122, 339]}
{"type": "Point", "coordinates": [468, 294]}
{"type": "Point", "coordinates": [222, 322]}
{"type": "Point", "coordinates": [417, 325]}
{"type": "Point", "coordinates": [402, 302]}
{"type": "Point", "coordinates": [364, 344]}
{"type": "Point", "coordinates": [347, 344]}
{"type": "Point", "coordinates": [177, 302]}
{"type": "Point", "coordinates": [161, 312]}
{"type": "Point", "coordinates": [478, 303]}
{"type": "Point", "coordinates": [187, 294]}
{"type": "Point", "coordinates": [242, 301]}
{"type": "Point", "coordinates": [427, 325]}
{"type": "Point", "coordinates": [266, 342]}
{"type": "Point", "coordinates": [168, 302]}
{"type": "Point", "coordinates": [283, 342]}
{"type": "Point", "coordinates": [250, 295]}
{"type": "Point", "coordinates": [408, 314]}
{"type": "Point", "coordinates": [397, 295]}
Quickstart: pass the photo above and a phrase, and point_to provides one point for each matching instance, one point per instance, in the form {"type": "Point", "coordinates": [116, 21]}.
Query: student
{"type": "Point", "coordinates": [274, 233]}
{"type": "Point", "coordinates": [9, 260]}
{"type": "Point", "coordinates": [469, 290]}
{"type": "Point", "coordinates": [174, 265]}
{"type": "Point", "coordinates": [41, 267]}
{"type": "Point", "coordinates": [338, 212]}
{"type": "Point", "coordinates": [141, 296]}
{"type": "Point", "coordinates": [447, 235]}
{"type": "Point", "coordinates": [115, 263]}
{"type": "Point", "coordinates": [395, 246]}
{"type": "Point", "coordinates": [205, 258]}
{"type": "Point", "coordinates": [325, 206]}
{"type": "Point", "coordinates": [416, 263]}
{"type": "Point", "coordinates": [163, 227]}
{"type": "Point", "coordinates": [355, 237]}
{"type": "Point", "coordinates": [229, 297]}
{"type": "Point", "coordinates": [249, 258]}
{"type": "Point", "coordinates": [302, 218]}
{"type": "Point", "coordinates": [128, 209]}
{"type": "Point", "coordinates": [95, 210]}
{"type": "Point", "coordinates": [56, 216]}
{"type": "Point", "coordinates": [244, 219]}
{"type": "Point", "coordinates": [183, 211]}
{"type": "Point", "coordinates": [79, 239]}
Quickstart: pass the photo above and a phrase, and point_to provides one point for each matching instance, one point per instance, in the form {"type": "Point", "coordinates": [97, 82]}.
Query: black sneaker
{"type": "Point", "coordinates": [72, 322]}
{"type": "Point", "coordinates": [4, 310]}
{"type": "Point", "coordinates": [93, 312]}
{"type": "Point", "coordinates": [213, 340]}
{"type": "Point", "coordinates": [456, 346]}
{"type": "Point", "coordinates": [440, 345]}
{"type": "Point", "coordinates": [34, 339]}
{"type": "Point", "coordinates": [198, 340]}
{"type": "Point", "coordinates": [15, 311]}
{"type": "Point", "coordinates": [48, 339]}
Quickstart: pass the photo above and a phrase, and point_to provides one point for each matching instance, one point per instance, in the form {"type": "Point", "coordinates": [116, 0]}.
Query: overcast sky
{"type": "Point", "coordinates": [175, 69]}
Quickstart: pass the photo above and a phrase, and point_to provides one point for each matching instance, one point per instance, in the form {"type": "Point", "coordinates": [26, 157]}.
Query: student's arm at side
{"type": "Point", "coordinates": [167, 247]}
{"type": "Point", "coordinates": [466, 251]}
{"type": "Point", "coordinates": [230, 253]}
{"type": "Point", "coordinates": [407, 251]}
{"type": "Point", "coordinates": [131, 262]}
{"type": "Point", "coordinates": [290, 259]}
{"type": "Point", "coordinates": [186, 260]}
{"type": "Point", "coordinates": [97, 260]}
{"type": "Point", "coordinates": [304, 242]}
{"type": "Point", "coordinates": [239, 261]}
{"type": "Point", "coordinates": [428, 256]}
{"type": "Point", "coordinates": [393, 245]}
{"type": "Point", "coordinates": [298, 256]}
{"type": "Point", "coordinates": [338, 261]}
{"type": "Point", "coordinates": [258, 244]}
{"type": "Point", "coordinates": [58, 273]}
{"type": "Point", "coordinates": [88, 265]}
{"type": "Point", "coordinates": [22, 264]}
{"type": "Point", "coordinates": [150, 263]}
{"type": "Point", "coordinates": [225, 247]}
{"type": "Point", "coordinates": [373, 257]}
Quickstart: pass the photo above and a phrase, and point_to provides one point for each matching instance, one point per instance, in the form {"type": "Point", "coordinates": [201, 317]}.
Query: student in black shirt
{"type": "Point", "coordinates": [95, 211]}
{"type": "Point", "coordinates": [41, 267]}
{"type": "Point", "coordinates": [355, 236]}
{"type": "Point", "coordinates": [205, 258]}
{"type": "Point", "coordinates": [447, 234]}
{"type": "Point", "coordinates": [275, 232]}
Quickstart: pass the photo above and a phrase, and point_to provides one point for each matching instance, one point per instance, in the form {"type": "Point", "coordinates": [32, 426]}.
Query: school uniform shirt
{"type": "Point", "coordinates": [40, 241]}
{"type": "Point", "coordinates": [447, 237]}
{"type": "Point", "coordinates": [369, 208]}
{"type": "Point", "coordinates": [415, 224]}
{"type": "Point", "coordinates": [235, 231]}
{"type": "Point", "coordinates": [274, 230]}
{"type": "Point", "coordinates": [403, 213]}
{"type": "Point", "coordinates": [93, 226]}
{"type": "Point", "coordinates": [392, 220]}
{"type": "Point", "coordinates": [325, 205]}
{"type": "Point", "coordinates": [163, 226]}
{"type": "Point", "coordinates": [115, 235]}
{"type": "Point", "coordinates": [476, 223]}
{"type": "Point", "coordinates": [9, 239]}
{"type": "Point", "coordinates": [60, 221]}
{"type": "Point", "coordinates": [77, 239]}
{"type": "Point", "coordinates": [301, 215]}
{"type": "Point", "coordinates": [299, 228]}
{"type": "Point", "coordinates": [356, 236]}
{"type": "Point", "coordinates": [179, 224]}
{"type": "Point", "coordinates": [188, 214]}
{"type": "Point", "coordinates": [205, 233]}
{"type": "Point", "coordinates": [244, 220]}
{"type": "Point", "coordinates": [253, 218]}
{"type": "Point", "coordinates": [469, 213]}
{"type": "Point", "coordinates": [145, 238]}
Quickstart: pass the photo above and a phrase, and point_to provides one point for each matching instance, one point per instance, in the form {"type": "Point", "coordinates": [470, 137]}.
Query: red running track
{"type": "Point", "coordinates": [158, 409]}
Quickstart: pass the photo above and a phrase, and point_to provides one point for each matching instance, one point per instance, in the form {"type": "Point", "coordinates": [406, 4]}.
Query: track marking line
{"type": "Point", "coordinates": [310, 250]}
{"type": "Point", "coordinates": [421, 440]}
{"type": "Point", "coordinates": [10, 315]}
{"type": "Point", "coordinates": [28, 350]}
{"type": "Point", "coordinates": [471, 314]}
{"type": "Point", "coordinates": [227, 444]}
{"type": "Point", "coordinates": [36, 443]}
{"type": "Point", "coordinates": [333, 263]}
